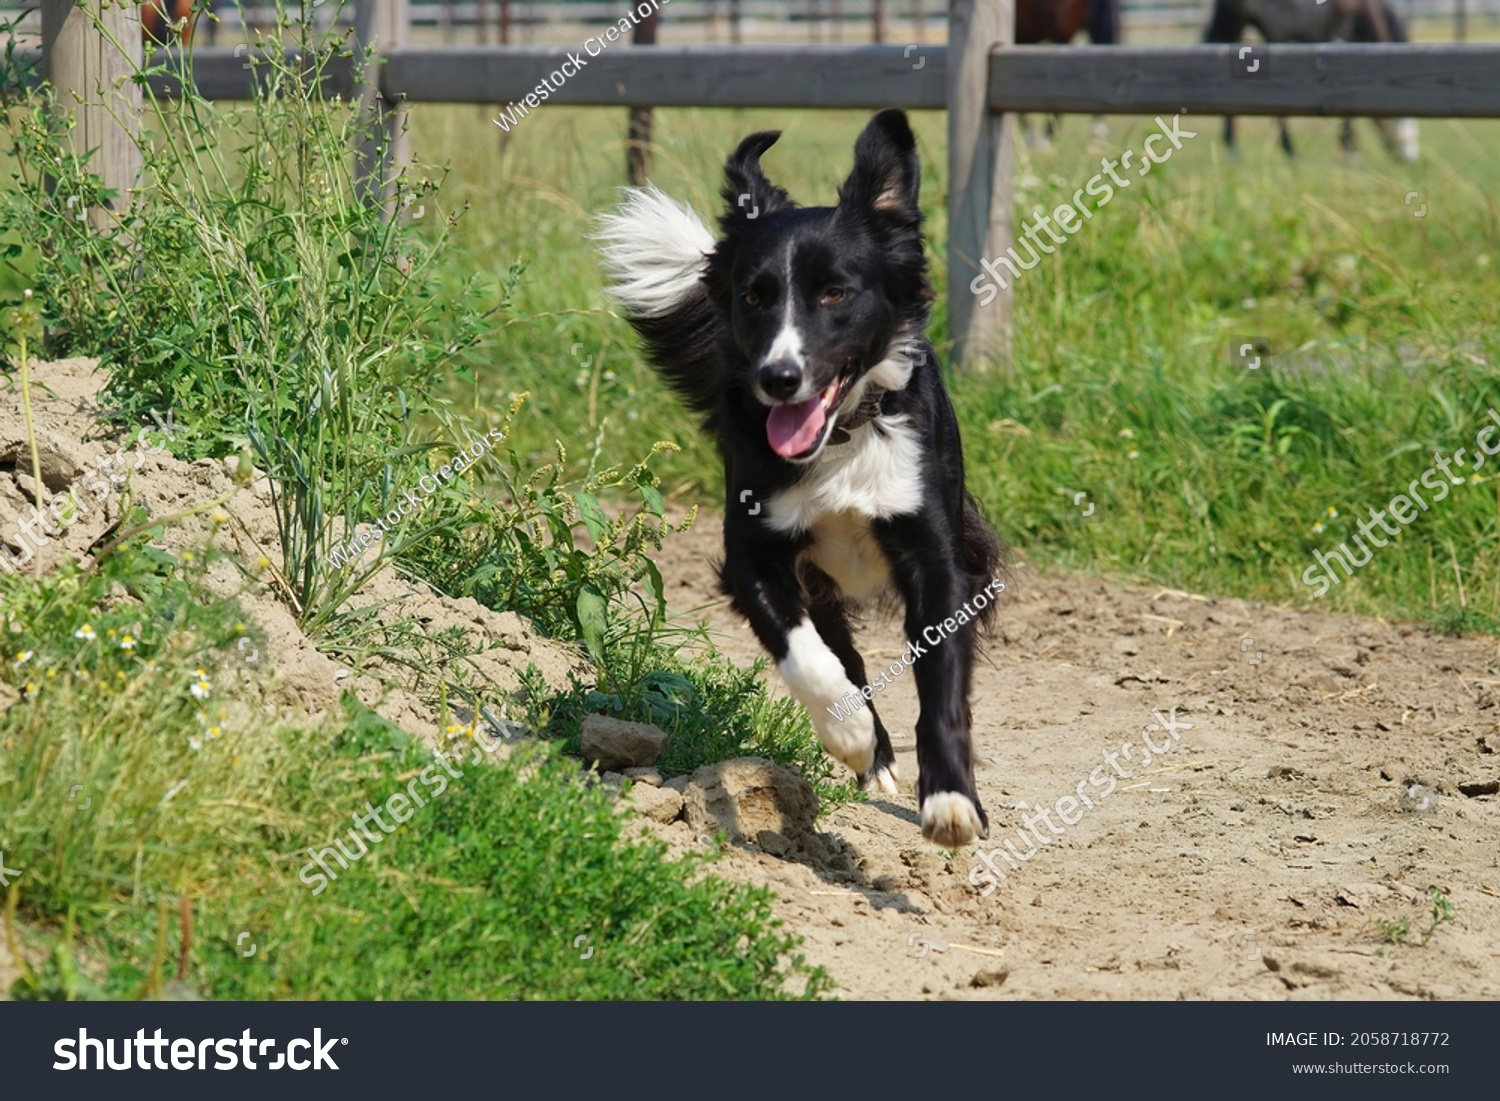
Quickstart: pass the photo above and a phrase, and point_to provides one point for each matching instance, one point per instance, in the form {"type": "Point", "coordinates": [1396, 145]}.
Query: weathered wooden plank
{"type": "Point", "coordinates": [980, 173]}
{"type": "Point", "coordinates": [1438, 81]}
{"type": "Point", "coordinates": [221, 74]}
{"type": "Point", "coordinates": [1455, 81]}
{"type": "Point", "coordinates": [675, 76]}
{"type": "Point", "coordinates": [93, 81]}
{"type": "Point", "coordinates": [383, 25]}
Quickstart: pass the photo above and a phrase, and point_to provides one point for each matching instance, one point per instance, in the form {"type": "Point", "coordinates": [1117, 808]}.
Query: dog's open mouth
{"type": "Point", "coordinates": [797, 431]}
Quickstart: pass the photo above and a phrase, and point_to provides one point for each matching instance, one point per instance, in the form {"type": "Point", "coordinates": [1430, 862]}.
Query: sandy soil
{"type": "Point", "coordinates": [1251, 860]}
{"type": "Point", "coordinates": [103, 469]}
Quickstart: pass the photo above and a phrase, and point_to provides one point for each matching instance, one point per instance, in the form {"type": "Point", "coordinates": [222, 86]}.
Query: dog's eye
{"type": "Point", "coordinates": [751, 299]}
{"type": "Point", "coordinates": [833, 295]}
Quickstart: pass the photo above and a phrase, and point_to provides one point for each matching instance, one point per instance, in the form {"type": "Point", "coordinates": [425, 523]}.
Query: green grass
{"type": "Point", "coordinates": [1382, 330]}
{"type": "Point", "coordinates": [154, 814]}
{"type": "Point", "coordinates": [1382, 348]}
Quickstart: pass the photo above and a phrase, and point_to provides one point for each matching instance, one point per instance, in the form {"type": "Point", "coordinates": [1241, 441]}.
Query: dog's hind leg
{"type": "Point", "coordinates": [759, 577]}
{"type": "Point", "coordinates": [828, 616]}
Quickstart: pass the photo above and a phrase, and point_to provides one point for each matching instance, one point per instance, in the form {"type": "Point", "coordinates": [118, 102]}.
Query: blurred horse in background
{"type": "Point", "coordinates": [1337, 20]}
{"type": "Point", "coordinates": [1058, 21]}
{"type": "Point", "coordinates": [160, 18]}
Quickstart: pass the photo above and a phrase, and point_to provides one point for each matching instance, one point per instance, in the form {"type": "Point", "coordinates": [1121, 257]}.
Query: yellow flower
{"type": "Point", "coordinates": [1126, 434]}
{"type": "Point", "coordinates": [85, 632]}
{"type": "Point", "coordinates": [219, 516]}
{"type": "Point", "coordinates": [1333, 513]}
{"type": "Point", "coordinates": [1132, 454]}
{"type": "Point", "coordinates": [24, 656]}
{"type": "Point", "coordinates": [128, 642]}
{"type": "Point", "coordinates": [31, 689]}
{"type": "Point", "coordinates": [200, 690]}
{"type": "Point", "coordinates": [1317, 527]}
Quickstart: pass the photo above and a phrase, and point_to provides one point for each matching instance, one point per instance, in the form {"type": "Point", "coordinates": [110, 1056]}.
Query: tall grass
{"type": "Point", "coordinates": [250, 287]}
{"type": "Point", "coordinates": [154, 814]}
{"type": "Point", "coordinates": [1380, 329]}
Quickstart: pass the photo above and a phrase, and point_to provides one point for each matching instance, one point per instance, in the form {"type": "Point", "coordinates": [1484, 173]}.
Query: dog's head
{"type": "Point", "coordinates": [817, 297]}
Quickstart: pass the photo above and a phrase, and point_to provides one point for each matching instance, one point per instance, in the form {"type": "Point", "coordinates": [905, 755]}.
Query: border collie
{"type": "Point", "coordinates": [800, 337]}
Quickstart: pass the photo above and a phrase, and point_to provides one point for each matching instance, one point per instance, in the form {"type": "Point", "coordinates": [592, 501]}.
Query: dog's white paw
{"type": "Point", "coordinates": [950, 820]}
{"type": "Point", "coordinates": [816, 677]}
{"type": "Point", "coordinates": [851, 741]}
{"type": "Point", "coordinates": [885, 779]}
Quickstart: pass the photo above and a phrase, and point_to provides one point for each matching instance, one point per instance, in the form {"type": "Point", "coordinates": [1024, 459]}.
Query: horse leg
{"type": "Point", "coordinates": [1347, 141]}
{"type": "Point", "coordinates": [1286, 138]}
{"type": "Point", "coordinates": [1226, 28]}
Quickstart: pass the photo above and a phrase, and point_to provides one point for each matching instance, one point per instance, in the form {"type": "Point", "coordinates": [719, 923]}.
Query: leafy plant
{"type": "Point", "coordinates": [552, 553]}
{"type": "Point", "coordinates": [259, 288]}
{"type": "Point", "coordinates": [1397, 930]}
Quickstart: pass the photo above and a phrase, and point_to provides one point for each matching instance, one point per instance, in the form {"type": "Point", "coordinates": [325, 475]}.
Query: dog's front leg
{"type": "Point", "coordinates": [758, 574]}
{"type": "Point", "coordinates": [934, 583]}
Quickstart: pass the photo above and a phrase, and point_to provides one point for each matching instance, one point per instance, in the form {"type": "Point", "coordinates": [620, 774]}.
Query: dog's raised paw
{"type": "Point", "coordinates": [884, 779]}
{"type": "Point", "coordinates": [950, 820]}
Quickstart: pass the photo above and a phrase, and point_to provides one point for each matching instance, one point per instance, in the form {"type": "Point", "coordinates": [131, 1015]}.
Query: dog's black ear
{"type": "Point", "coordinates": [887, 174]}
{"type": "Point", "coordinates": [746, 189]}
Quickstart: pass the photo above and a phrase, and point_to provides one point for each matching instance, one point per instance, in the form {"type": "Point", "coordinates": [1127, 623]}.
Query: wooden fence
{"type": "Point", "coordinates": [979, 78]}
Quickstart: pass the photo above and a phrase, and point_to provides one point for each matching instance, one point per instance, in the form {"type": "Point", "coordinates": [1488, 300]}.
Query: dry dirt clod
{"type": "Point", "coordinates": [748, 794]}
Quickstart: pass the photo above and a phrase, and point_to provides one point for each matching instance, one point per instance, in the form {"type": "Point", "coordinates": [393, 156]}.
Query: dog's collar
{"type": "Point", "coordinates": [866, 411]}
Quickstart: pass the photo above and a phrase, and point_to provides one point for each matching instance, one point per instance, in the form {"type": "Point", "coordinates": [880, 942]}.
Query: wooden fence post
{"type": "Point", "coordinates": [383, 23]}
{"type": "Point", "coordinates": [91, 75]}
{"type": "Point", "coordinates": [981, 175]}
{"type": "Point", "coordinates": [637, 150]}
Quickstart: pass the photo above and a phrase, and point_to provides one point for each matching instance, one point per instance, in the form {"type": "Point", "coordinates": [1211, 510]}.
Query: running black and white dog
{"type": "Point", "coordinates": [800, 335]}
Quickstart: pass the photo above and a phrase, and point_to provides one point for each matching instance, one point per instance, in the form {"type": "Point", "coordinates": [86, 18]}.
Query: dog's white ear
{"type": "Point", "coordinates": [887, 174]}
{"type": "Point", "coordinates": [747, 191]}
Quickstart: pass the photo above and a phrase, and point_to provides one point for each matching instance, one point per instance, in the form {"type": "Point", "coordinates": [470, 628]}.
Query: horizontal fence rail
{"type": "Point", "coordinates": [1418, 81]}
{"type": "Point", "coordinates": [1396, 79]}
{"type": "Point", "coordinates": [675, 76]}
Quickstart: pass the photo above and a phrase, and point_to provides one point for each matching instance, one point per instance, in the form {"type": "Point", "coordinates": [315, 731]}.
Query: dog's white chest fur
{"type": "Point", "coordinates": [877, 474]}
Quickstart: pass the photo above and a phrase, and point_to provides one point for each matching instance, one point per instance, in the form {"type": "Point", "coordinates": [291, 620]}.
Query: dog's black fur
{"type": "Point", "coordinates": [829, 305]}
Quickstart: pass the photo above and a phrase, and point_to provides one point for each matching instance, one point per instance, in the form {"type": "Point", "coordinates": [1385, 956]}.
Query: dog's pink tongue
{"type": "Point", "coordinates": [792, 429]}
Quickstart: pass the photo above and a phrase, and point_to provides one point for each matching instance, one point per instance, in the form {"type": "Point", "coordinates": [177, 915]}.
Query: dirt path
{"type": "Point", "coordinates": [1251, 860]}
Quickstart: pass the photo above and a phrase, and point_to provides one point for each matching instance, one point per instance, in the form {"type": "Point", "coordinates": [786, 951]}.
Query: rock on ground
{"type": "Point", "coordinates": [616, 744]}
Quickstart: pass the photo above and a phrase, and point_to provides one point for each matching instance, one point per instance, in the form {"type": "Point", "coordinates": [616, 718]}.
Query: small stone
{"type": "Point", "coordinates": [773, 843]}
{"type": "Point", "coordinates": [990, 976]}
{"type": "Point", "coordinates": [657, 804]}
{"type": "Point", "coordinates": [616, 744]}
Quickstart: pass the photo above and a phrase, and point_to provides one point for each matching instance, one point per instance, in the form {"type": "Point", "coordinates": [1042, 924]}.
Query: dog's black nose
{"type": "Point", "coordinates": [780, 379]}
